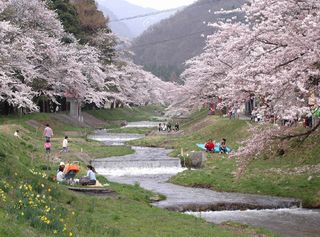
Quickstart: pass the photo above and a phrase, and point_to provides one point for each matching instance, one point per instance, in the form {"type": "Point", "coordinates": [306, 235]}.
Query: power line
{"type": "Point", "coordinates": [171, 39]}
{"type": "Point", "coordinates": [168, 40]}
{"type": "Point", "coordinates": [194, 5]}
{"type": "Point", "coordinates": [145, 15]}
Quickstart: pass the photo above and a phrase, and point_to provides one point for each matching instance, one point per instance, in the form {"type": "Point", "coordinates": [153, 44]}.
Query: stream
{"type": "Point", "coordinates": [151, 168]}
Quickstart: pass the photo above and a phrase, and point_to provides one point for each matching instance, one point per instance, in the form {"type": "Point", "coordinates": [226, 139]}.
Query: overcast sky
{"type": "Point", "coordinates": [161, 4]}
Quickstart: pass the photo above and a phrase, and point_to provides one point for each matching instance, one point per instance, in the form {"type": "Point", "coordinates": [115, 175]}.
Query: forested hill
{"type": "Point", "coordinates": [79, 17]}
{"type": "Point", "coordinates": [164, 47]}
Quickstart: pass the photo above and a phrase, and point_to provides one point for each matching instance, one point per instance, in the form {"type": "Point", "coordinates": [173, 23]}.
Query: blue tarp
{"type": "Point", "coordinates": [216, 147]}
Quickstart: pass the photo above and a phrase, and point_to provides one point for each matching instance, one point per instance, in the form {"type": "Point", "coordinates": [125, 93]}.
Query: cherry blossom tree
{"type": "Point", "coordinates": [274, 56]}
{"type": "Point", "coordinates": [14, 67]}
{"type": "Point", "coordinates": [141, 87]}
{"type": "Point", "coordinates": [40, 60]}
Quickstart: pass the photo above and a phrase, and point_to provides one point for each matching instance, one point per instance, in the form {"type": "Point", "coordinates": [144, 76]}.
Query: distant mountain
{"type": "Point", "coordinates": [119, 9]}
{"type": "Point", "coordinates": [165, 46]}
{"type": "Point", "coordinates": [116, 26]}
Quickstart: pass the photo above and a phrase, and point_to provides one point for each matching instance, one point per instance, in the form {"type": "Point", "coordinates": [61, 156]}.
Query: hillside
{"type": "Point", "coordinates": [119, 9]}
{"type": "Point", "coordinates": [164, 47]}
{"type": "Point", "coordinates": [32, 204]}
{"type": "Point", "coordinates": [79, 17]}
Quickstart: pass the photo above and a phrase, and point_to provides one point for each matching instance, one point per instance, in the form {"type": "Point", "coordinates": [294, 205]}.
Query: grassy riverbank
{"type": "Point", "coordinates": [33, 205]}
{"type": "Point", "coordinates": [294, 174]}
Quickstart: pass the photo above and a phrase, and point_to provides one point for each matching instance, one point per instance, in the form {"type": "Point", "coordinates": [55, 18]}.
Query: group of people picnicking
{"type": "Point", "coordinates": [167, 127]}
{"type": "Point", "coordinates": [67, 172]}
{"type": "Point", "coordinates": [210, 146]}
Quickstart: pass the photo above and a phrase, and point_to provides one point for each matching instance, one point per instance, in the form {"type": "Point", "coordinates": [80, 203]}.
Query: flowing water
{"type": "Point", "coordinates": [152, 168]}
{"type": "Point", "coordinates": [113, 139]}
{"type": "Point", "coordinates": [286, 222]}
{"type": "Point", "coordinates": [142, 124]}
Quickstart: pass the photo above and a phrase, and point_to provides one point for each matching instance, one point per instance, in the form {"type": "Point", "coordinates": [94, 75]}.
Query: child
{"type": "Point", "coordinates": [65, 144]}
{"type": "Point", "coordinates": [223, 146]}
{"type": "Point", "coordinates": [47, 146]}
{"type": "Point", "coordinates": [209, 145]}
{"type": "Point", "coordinates": [16, 134]}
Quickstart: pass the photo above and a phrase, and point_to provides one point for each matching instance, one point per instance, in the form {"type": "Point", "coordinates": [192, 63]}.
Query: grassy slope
{"type": "Point", "coordinates": [128, 214]}
{"type": "Point", "coordinates": [261, 176]}
{"type": "Point", "coordinates": [128, 114]}
{"type": "Point", "coordinates": [79, 146]}
{"type": "Point", "coordinates": [198, 130]}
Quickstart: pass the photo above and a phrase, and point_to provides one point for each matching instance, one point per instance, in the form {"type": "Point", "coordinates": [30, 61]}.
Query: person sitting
{"type": "Point", "coordinates": [60, 174]}
{"type": "Point", "coordinates": [62, 165]}
{"type": "Point", "coordinates": [90, 179]}
{"type": "Point", "coordinates": [70, 171]}
{"type": "Point", "coordinates": [209, 145]}
{"type": "Point", "coordinates": [223, 146]}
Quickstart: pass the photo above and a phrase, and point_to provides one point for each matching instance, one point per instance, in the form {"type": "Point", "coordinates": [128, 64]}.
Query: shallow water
{"type": "Point", "coordinates": [152, 168]}
{"type": "Point", "coordinates": [286, 222]}
{"type": "Point", "coordinates": [145, 161]}
{"type": "Point", "coordinates": [142, 124]}
{"type": "Point", "coordinates": [113, 139]}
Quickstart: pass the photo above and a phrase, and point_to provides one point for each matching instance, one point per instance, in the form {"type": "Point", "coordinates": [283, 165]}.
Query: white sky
{"type": "Point", "coordinates": [161, 4]}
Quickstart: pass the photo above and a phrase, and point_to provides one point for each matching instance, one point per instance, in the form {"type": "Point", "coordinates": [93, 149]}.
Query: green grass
{"type": "Point", "coordinates": [219, 175]}
{"type": "Point", "coordinates": [96, 149]}
{"type": "Point", "coordinates": [128, 114]}
{"type": "Point", "coordinates": [216, 128]}
{"type": "Point", "coordinates": [129, 213]}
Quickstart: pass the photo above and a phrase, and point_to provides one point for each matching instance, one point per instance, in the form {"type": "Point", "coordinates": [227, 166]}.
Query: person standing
{"type": "Point", "coordinates": [47, 146]}
{"type": "Point", "coordinates": [169, 127]}
{"type": "Point", "coordinates": [65, 144]}
{"type": "Point", "coordinates": [176, 127]}
{"type": "Point", "coordinates": [47, 132]}
{"type": "Point", "coordinates": [16, 134]}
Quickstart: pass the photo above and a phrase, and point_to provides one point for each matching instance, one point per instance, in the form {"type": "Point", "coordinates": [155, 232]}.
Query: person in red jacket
{"type": "Point", "coordinates": [209, 145]}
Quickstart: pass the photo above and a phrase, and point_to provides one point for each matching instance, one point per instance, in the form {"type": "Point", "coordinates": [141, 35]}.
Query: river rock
{"type": "Point", "coordinates": [124, 123]}
{"type": "Point", "coordinates": [155, 198]}
{"type": "Point", "coordinates": [198, 159]}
